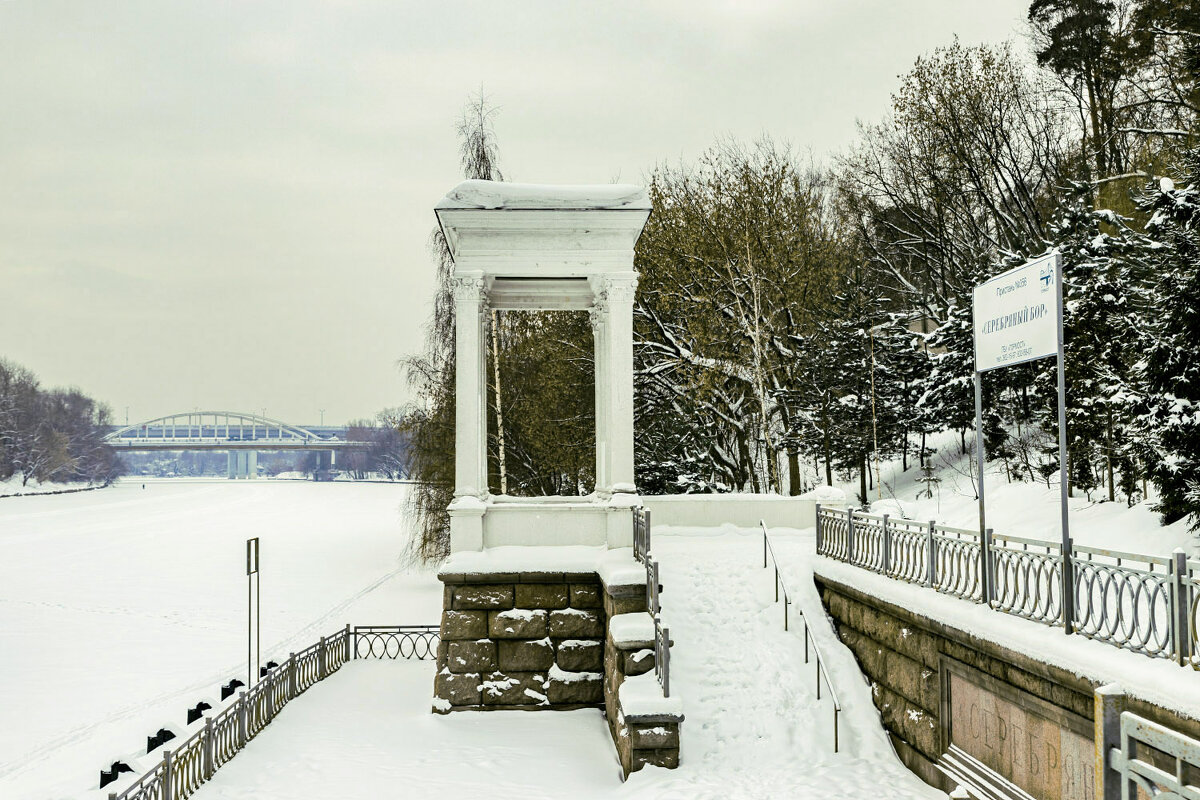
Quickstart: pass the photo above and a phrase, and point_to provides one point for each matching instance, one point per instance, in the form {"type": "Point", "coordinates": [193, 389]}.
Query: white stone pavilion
{"type": "Point", "coordinates": [545, 248]}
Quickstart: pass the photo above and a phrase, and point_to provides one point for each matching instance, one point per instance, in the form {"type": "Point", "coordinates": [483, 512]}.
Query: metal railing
{"type": "Point", "coordinates": [641, 533]}
{"type": "Point", "coordinates": [1147, 604]}
{"type": "Point", "coordinates": [1141, 758]}
{"type": "Point", "coordinates": [184, 768]}
{"type": "Point", "coordinates": [781, 587]}
{"type": "Point", "coordinates": [662, 656]}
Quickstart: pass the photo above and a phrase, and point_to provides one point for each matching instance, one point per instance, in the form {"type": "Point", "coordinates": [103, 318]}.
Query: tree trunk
{"type": "Point", "coordinates": [793, 473]}
{"type": "Point", "coordinates": [1108, 457]}
{"type": "Point", "coordinates": [862, 479]}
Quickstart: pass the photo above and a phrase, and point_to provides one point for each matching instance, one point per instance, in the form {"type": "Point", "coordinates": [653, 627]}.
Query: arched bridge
{"type": "Point", "coordinates": [241, 435]}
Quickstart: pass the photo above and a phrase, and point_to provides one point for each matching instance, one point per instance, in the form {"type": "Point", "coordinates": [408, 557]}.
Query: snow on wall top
{"type": "Point", "coordinates": [502, 195]}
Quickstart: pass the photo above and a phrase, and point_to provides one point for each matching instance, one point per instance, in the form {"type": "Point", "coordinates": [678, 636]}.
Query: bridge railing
{"type": "Point", "coordinates": [1144, 603]}
{"type": "Point", "coordinates": [183, 769]}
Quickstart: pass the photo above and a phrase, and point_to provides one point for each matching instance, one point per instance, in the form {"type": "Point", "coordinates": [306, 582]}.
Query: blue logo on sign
{"type": "Point", "coordinates": [1047, 277]}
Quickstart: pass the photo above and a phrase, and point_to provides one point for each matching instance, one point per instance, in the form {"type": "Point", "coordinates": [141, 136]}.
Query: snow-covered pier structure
{"type": "Point", "coordinates": [545, 605]}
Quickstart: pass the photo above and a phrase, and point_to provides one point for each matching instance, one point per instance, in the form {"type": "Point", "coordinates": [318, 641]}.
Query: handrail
{"type": "Point", "coordinates": [183, 769]}
{"type": "Point", "coordinates": [822, 672]}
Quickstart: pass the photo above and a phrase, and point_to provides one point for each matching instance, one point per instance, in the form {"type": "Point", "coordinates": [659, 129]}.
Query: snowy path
{"type": "Point", "coordinates": [754, 728]}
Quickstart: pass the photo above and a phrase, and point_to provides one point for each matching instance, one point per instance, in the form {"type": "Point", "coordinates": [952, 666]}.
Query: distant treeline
{"type": "Point", "coordinates": [51, 434]}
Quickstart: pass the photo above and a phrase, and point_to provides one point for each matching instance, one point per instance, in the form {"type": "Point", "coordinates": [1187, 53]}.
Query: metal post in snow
{"type": "Point", "coordinates": [886, 546]}
{"type": "Point", "coordinates": [1109, 704]}
{"type": "Point", "coordinates": [984, 592]}
{"type": "Point", "coordinates": [987, 587]}
{"type": "Point", "coordinates": [1068, 573]}
{"type": "Point", "coordinates": [291, 675]}
{"type": "Point", "coordinates": [208, 748]}
{"type": "Point", "coordinates": [1180, 608]}
{"type": "Point", "coordinates": [321, 660]}
{"type": "Point", "coordinates": [818, 525]}
{"type": "Point", "coordinates": [166, 776]}
{"type": "Point", "coordinates": [243, 728]}
{"type": "Point", "coordinates": [347, 641]}
{"type": "Point", "coordinates": [930, 555]}
{"type": "Point", "coordinates": [850, 535]}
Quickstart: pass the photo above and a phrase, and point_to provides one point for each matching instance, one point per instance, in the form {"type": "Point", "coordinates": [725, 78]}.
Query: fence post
{"type": "Point", "coordinates": [764, 527]}
{"type": "Point", "coordinates": [243, 727]}
{"type": "Point", "coordinates": [818, 522]}
{"type": "Point", "coordinates": [986, 591]}
{"type": "Point", "coordinates": [208, 748]}
{"type": "Point", "coordinates": [321, 660]}
{"type": "Point", "coordinates": [166, 776]}
{"type": "Point", "coordinates": [351, 643]}
{"type": "Point", "coordinates": [646, 520]}
{"type": "Point", "coordinates": [1068, 586]}
{"type": "Point", "coordinates": [887, 547]}
{"type": "Point", "coordinates": [1109, 703]}
{"type": "Point", "coordinates": [931, 556]}
{"type": "Point", "coordinates": [850, 535]}
{"type": "Point", "coordinates": [291, 676]}
{"type": "Point", "coordinates": [1181, 607]}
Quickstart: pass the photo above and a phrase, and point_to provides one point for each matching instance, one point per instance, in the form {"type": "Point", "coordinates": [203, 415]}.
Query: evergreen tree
{"type": "Point", "coordinates": [1171, 367]}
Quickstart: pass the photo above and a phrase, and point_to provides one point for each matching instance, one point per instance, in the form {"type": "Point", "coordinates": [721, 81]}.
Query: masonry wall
{"type": "Point", "coordinates": [543, 641]}
{"type": "Point", "coordinates": [527, 640]}
{"type": "Point", "coordinates": [900, 653]}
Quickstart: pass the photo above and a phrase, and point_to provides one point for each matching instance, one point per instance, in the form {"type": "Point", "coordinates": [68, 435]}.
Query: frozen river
{"type": "Point", "coordinates": [121, 607]}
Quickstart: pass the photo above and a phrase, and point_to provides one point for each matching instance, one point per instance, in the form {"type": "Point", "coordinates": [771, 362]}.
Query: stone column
{"type": "Point", "coordinates": [470, 463]}
{"type": "Point", "coordinates": [618, 293]}
{"type": "Point", "coordinates": [597, 315]}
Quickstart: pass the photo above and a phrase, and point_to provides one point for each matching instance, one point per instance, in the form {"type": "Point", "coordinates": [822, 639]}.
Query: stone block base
{"type": "Point", "coordinates": [537, 641]}
{"type": "Point", "coordinates": [520, 640]}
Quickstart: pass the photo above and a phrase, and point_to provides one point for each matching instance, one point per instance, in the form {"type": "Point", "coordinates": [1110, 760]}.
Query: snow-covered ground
{"type": "Point", "coordinates": [124, 606]}
{"type": "Point", "coordinates": [753, 728]}
{"type": "Point", "coordinates": [121, 607]}
{"type": "Point", "coordinates": [1017, 508]}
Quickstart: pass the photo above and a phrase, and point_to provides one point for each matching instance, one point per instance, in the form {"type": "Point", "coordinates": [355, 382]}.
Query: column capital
{"type": "Point", "coordinates": [467, 288]}
{"type": "Point", "coordinates": [619, 288]}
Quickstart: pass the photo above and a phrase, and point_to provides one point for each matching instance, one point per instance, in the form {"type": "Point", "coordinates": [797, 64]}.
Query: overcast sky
{"type": "Point", "coordinates": [226, 205]}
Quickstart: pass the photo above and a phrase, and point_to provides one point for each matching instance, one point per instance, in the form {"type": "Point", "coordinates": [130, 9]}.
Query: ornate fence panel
{"type": "Point", "coordinates": [187, 766]}
{"type": "Point", "coordinates": [833, 533]}
{"type": "Point", "coordinates": [1189, 580]}
{"type": "Point", "coordinates": [182, 770]}
{"type": "Point", "coordinates": [226, 733]}
{"type": "Point", "coordinates": [956, 562]}
{"type": "Point", "coordinates": [1125, 604]}
{"type": "Point", "coordinates": [870, 542]}
{"type": "Point", "coordinates": [908, 550]}
{"type": "Point", "coordinates": [1026, 578]}
{"type": "Point", "coordinates": [396, 641]}
{"type": "Point", "coordinates": [1147, 604]}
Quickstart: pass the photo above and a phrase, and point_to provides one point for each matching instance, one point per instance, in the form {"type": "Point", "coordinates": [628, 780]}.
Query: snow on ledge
{"type": "Point", "coordinates": [615, 567]}
{"type": "Point", "coordinates": [1155, 680]}
{"type": "Point", "coordinates": [478, 194]}
{"type": "Point", "coordinates": [525, 558]}
{"type": "Point", "coordinates": [641, 696]}
{"type": "Point", "coordinates": [631, 629]}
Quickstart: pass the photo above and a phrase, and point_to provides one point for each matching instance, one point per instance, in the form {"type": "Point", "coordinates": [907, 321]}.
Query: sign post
{"type": "Point", "coordinates": [253, 609]}
{"type": "Point", "coordinates": [1018, 318]}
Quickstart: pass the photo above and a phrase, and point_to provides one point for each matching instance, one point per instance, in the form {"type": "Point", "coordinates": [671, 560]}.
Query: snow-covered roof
{"type": "Point", "coordinates": [526, 196]}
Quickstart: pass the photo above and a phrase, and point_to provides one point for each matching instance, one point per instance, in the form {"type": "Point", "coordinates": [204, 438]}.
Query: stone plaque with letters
{"type": "Point", "coordinates": [1041, 748]}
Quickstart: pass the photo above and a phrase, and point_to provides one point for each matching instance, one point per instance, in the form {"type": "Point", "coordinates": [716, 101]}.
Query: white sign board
{"type": "Point", "coordinates": [1016, 315]}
